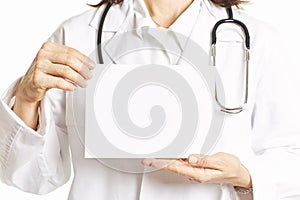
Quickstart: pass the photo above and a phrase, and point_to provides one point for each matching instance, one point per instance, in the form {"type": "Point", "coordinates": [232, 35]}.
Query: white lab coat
{"type": "Point", "coordinates": [265, 137]}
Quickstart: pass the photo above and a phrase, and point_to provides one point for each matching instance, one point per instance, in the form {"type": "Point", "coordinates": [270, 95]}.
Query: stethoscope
{"type": "Point", "coordinates": [230, 19]}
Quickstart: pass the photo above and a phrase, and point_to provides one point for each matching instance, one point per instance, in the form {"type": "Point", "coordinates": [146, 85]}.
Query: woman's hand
{"type": "Point", "coordinates": [217, 168]}
{"type": "Point", "coordinates": [55, 66]}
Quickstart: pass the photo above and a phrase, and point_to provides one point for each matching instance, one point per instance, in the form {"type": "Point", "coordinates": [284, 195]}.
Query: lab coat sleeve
{"type": "Point", "coordinates": [35, 161]}
{"type": "Point", "coordinates": [276, 125]}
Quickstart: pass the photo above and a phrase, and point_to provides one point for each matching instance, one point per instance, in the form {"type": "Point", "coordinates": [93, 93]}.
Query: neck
{"type": "Point", "coordinates": [165, 12]}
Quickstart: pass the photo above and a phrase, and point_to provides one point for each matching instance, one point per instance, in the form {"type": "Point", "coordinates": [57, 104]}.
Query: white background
{"type": "Point", "coordinates": [25, 25]}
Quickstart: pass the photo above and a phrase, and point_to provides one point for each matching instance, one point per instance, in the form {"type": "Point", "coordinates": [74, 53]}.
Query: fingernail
{"type": "Point", "coordinates": [84, 84]}
{"type": "Point", "coordinates": [89, 75]}
{"type": "Point", "coordinates": [193, 160]}
{"type": "Point", "coordinates": [147, 162]}
{"type": "Point", "coordinates": [89, 64]}
{"type": "Point", "coordinates": [92, 64]}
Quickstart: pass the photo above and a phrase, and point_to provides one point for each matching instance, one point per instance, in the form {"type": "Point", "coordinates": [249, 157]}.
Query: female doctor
{"type": "Point", "coordinates": [256, 156]}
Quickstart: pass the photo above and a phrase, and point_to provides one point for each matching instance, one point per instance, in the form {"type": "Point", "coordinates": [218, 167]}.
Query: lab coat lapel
{"type": "Point", "coordinates": [209, 15]}
{"type": "Point", "coordinates": [120, 19]}
{"type": "Point", "coordinates": [138, 29]}
{"type": "Point", "coordinates": [132, 18]}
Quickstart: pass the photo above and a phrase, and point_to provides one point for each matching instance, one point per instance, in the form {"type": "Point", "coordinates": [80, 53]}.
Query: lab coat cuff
{"type": "Point", "coordinates": [8, 100]}
{"type": "Point", "coordinates": [11, 126]}
{"type": "Point", "coordinates": [261, 175]}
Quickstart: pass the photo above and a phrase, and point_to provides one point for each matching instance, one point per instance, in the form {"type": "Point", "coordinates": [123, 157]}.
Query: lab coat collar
{"type": "Point", "coordinates": [216, 11]}
{"type": "Point", "coordinates": [142, 19]}
{"type": "Point", "coordinates": [189, 18]}
{"type": "Point", "coordinates": [118, 14]}
{"type": "Point", "coordinates": [133, 14]}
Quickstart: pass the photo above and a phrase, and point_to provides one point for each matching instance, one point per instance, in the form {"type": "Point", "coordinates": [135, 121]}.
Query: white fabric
{"type": "Point", "coordinates": [265, 137]}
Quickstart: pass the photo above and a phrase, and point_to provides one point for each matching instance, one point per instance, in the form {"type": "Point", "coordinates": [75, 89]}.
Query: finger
{"type": "Point", "coordinates": [71, 61]}
{"type": "Point", "coordinates": [210, 162]}
{"type": "Point", "coordinates": [49, 46]}
{"type": "Point", "coordinates": [50, 82]}
{"type": "Point", "coordinates": [177, 166]}
{"type": "Point", "coordinates": [193, 180]}
{"type": "Point", "coordinates": [184, 168]}
{"type": "Point", "coordinates": [201, 175]}
{"type": "Point", "coordinates": [157, 163]}
{"type": "Point", "coordinates": [66, 72]}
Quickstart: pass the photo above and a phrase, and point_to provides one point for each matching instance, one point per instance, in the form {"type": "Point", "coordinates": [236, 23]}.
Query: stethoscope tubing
{"type": "Point", "coordinates": [230, 19]}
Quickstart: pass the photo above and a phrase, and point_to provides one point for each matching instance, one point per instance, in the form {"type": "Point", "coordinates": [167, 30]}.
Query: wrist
{"type": "Point", "coordinates": [27, 111]}
{"type": "Point", "coordinates": [21, 102]}
{"type": "Point", "coordinates": [245, 179]}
